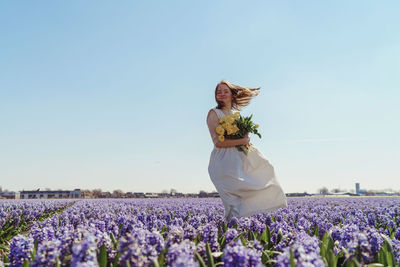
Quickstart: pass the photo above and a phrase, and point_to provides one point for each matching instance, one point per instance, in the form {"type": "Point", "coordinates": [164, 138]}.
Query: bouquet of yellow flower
{"type": "Point", "coordinates": [234, 127]}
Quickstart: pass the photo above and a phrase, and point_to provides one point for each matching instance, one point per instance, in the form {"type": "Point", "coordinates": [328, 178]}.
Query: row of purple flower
{"type": "Point", "coordinates": [192, 232]}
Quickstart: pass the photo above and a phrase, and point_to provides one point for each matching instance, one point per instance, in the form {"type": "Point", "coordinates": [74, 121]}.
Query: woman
{"type": "Point", "coordinates": [245, 183]}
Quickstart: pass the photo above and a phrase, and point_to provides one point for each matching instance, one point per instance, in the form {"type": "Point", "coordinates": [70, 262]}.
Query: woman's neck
{"type": "Point", "coordinates": [226, 108]}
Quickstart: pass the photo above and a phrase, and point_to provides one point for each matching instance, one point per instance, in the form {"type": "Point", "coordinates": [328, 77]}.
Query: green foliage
{"type": "Point", "coordinates": [11, 228]}
{"type": "Point", "coordinates": [327, 252]}
{"type": "Point", "coordinates": [238, 236]}
{"type": "Point", "coordinates": [210, 258]}
{"type": "Point", "coordinates": [26, 263]}
{"type": "Point", "coordinates": [292, 261]}
{"type": "Point", "coordinates": [224, 227]}
{"type": "Point", "coordinates": [161, 258]}
{"type": "Point", "coordinates": [386, 254]}
{"type": "Point", "coordinates": [245, 125]}
{"type": "Point", "coordinates": [199, 259]}
{"type": "Point", "coordinates": [102, 256]}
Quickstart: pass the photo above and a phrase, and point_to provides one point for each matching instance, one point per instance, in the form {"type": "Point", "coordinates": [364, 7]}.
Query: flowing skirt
{"type": "Point", "coordinates": [246, 183]}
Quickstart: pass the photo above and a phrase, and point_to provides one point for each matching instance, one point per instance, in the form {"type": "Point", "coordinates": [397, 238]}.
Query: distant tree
{"type": "Point", "coordinates": [86, 193]}
{"type": "Point", "coordinates": [173, 191]}
{"type": "Point", "coordinates": [118, 193]}
{"type": "Point", "coordinates": [369, 193]}
{"type": "Point", "coordinates": [323, 190]}
{"type": "Point", "coordinates": [1, 189]}
{"type": "Point", "coordinates": [47, 189]}
{"type": "Point", "coordinates": [96, 193]}
{"type": "Point", "coordinates": [336, 190]}
{"type": "Point", "coordinates": [203, 193]}
{"type": "Point", "coordinates": [165, 191]}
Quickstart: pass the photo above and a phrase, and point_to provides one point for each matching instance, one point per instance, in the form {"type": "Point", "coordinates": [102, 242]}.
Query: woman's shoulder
{"type": "Point", "coordinates": [213, 112]}
{"type": "Point", "coordinates": [212, 109]}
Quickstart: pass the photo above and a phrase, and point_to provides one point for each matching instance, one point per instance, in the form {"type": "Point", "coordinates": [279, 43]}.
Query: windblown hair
{"type": "Point", "coordinates": [241, 95]}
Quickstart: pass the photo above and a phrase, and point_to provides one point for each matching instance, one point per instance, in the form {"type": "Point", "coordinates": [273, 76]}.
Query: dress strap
{"type": "Point", "coordinates": [219, 112]}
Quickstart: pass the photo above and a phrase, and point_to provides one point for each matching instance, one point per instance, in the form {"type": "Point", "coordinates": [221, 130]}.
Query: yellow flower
{"type": "Point", "coordinates": [236, 115]}
{"type": "Point", "coordinates": [235, 129]}
{"type": "Point", "coordinates": [220, 130]}
{"type": "Point", "coordinates": [221, 138]}
{"type": "Point", "coordinates": [229, 131]}
{"type": "Point", "coordinates": [256, 126]}
{"type": "Point", "coordinates": [230, 120]}
{"type": "Point", "coordinates": [226, 125]}
{"type": "Point", "coordinates": [222, 120]}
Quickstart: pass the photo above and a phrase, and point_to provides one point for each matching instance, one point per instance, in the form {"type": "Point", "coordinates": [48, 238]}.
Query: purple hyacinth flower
{"type": "Point", "coordinates": [20, 249]}
{"type": "Point", "coordinates": [235, 255]}
{"type": "Point", "coordinates": [47, 253]}
{"type": "Point", "coordinates": [84, 252]}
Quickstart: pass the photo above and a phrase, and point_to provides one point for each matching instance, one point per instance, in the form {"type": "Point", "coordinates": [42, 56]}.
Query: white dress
{"type": "Point", "coordinates": [246, 184]}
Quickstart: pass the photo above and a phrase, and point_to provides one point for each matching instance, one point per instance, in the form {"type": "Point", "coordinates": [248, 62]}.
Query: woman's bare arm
{"type": "Point", "coordinates": [213, 122]}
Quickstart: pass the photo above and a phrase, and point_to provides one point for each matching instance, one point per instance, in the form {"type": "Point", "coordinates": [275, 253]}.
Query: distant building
{"type": "Point", "coordinates": [357, 188]}
{"type": "Point", "coordinates": [191, 195]}
{"type": "Point", "coordinates": [9, 195]}
{"type": "Point", "coordinates": [138, 195]}
{"type": "Point", "coordinates": [76, 193]}
{"type": "Point", "coordinates": [105, 195]}
{"type": "Point", "coordinates": [213, 194]}
{"type": "Point", "coordinates": [297, 194]}
{"type": "Point", "coordinates": [151, 195]}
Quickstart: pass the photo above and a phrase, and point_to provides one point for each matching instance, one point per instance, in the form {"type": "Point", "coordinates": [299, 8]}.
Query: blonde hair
{"type": "Point", "coordinates": [241, 95]}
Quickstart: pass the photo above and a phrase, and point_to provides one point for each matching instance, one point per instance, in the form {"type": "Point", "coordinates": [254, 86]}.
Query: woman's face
{"type": "Point", "coordinates": [224, 93]}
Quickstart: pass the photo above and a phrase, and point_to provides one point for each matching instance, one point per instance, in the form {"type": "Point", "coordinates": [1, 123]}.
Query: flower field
{"type": "Point", "coordinates": [192, 232]}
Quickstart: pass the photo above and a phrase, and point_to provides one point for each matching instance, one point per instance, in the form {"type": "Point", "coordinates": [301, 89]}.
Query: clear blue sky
{"type": "Point", "coordinates": [115, 94]}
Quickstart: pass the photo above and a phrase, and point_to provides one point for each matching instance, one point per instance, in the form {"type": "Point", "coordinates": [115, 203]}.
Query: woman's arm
{"type": "Point", "coordinates": [230, 142]}
{"type": "Point", "coordinates": [213, 122]}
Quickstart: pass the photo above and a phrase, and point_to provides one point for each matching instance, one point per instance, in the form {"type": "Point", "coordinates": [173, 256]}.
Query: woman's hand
{"type": "Point", "coordinates": [246, 139]}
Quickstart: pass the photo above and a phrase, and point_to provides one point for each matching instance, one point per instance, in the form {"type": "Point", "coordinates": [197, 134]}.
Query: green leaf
{"type": "Point", "coordinates": [58, 263]}
{"type": "Point", "coordinates": [155, 263]}
{"type": "Point", "coordinates": [253, 235]}
{"type": "Point", "coordinates": [26, 263]}
{"type": "Point", "coordinates": [263, 237]}
{"type": "Point", "coordinates": [224, 227]}
{"type": "Point", "coordinates": [210, 258]}
{"type": "Point", "coordinates": [116, 259]}
{"type": "Point", "coordinates": [5, 260]}
{"type": "Point", "coordinates": [197, 239]}
{"type": "Point", "coordinates": [34, 250]}
{"type": "Point", "coordinates": [238, 236]}
{"type": "Point", "coordinates": [264, 257]}
{"type": "Point", "coordinates": [292, 262]}
{"type": "Point", "coordinates": [199, 259]}
{"type": "Point", "coordinates": [163, 229]}
{"type": "Point", "coordinates": [280, 236]}
{"type": "Point", "coordinates": [316, 231]}
{"type": "Point", "coordinates": [243, 241]}
{"type": "Point", "coordinates": [222, 242]}
{"type": "Point", "coordinates": [3, 248]}
{"type": "Point", "coordinates": [381, 256]}
{"type": "Point", "coordinates": [161, 257]}
{"type": "Point", "coordinates": [332, 260]}
{"type": "Point", "coordinates": [113, 240]}
{"type": "Point", "coordinates": [102, 257]}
